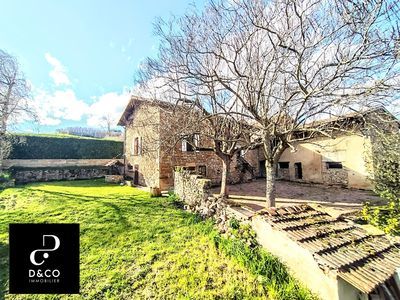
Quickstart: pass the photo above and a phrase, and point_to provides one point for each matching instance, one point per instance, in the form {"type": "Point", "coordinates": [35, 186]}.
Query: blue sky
{"type": "Point", "coordinates": [81, 56]}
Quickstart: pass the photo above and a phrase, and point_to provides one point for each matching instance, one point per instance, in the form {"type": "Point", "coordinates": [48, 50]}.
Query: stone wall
{"type": "Point", "coordinates": [53, 174]}
{"type": "Point", "coordinates": [191, 189]}
{"type": "Point", "coordinates": [244, 169]}
{"type": "Point", "coordinates": [283, 174]}
{"type": "Point", "coordinates": [39, 163]}
{"type": "Point", "coordinates": [335, 176]}
{"type": "Point", "coordinates": [205, 157]}
{"type": "Point", "coordinates": [195, 193]}
{"type": "Point", "coordinates": [208, 159]}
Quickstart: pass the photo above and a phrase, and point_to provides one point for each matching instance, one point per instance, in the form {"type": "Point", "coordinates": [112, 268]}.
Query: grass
{"type": "Point", "coordinates": [137, 247]}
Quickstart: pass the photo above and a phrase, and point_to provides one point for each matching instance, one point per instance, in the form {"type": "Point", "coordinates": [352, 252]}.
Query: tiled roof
{"type": "Point", "coordinates": [365, 261]}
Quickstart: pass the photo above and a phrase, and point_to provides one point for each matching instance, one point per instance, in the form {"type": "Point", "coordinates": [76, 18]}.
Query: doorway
{"type": "Point", "coordinates": [136, 175]}
{"type": "Point", "coordinates": [262, 168]}
{"type": "Point", "coordinates": [298, 171]}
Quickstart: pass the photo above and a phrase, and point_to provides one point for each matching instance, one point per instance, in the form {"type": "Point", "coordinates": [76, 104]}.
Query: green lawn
{"type": "Point", "coordinates": [132, 246]}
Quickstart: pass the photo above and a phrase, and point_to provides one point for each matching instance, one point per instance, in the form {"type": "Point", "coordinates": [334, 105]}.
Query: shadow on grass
{"type": "Point", "coordinates": [3, 270]}
{"type": "Point", "coordinates": [122, 205]}
{"type": "Point", "coordinates": [81, 183]}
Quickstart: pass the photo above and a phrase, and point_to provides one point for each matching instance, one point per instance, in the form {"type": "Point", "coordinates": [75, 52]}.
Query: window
{"type": "Point", "coordinates": [283, 165]}
{"type": "Point", "coordinates": [137, 146]}
{"type": "Point", "coordinates": [202, 170]}
{"type": "Point", "coordinates": [190, 143]}
{"type": "Point", "coordinates": [334, 165]}
{"type": "Point", "coordinates": [191, 170]}
{"type": "Point", "coordinates": [140, 148]}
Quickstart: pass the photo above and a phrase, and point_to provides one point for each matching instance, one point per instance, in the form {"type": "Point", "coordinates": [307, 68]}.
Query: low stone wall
{"type": "Point", "coordinates": [191, 189]}
{"type": "Point", "coordinates": [51, 174]}
{"type": "Point", "coordinates": [32, 170]}
{"type": "Point", "coordinates": [39, 163]}
{"type": "Point", "coordinates": [196, 194]}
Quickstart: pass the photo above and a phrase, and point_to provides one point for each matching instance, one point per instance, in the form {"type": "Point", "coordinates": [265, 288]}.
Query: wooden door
{"type": "Point", "coordinates": [136, 175]}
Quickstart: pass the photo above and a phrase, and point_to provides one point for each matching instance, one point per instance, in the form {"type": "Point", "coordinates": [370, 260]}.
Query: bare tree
{"type": "Point", "coordinates": [285, 64]}
{"type": "Point", "coordinates": [109, 121]}
{"type": "Point", "coordinates": [14, 92]}
{"type": "Point", "coordinates": [200, 106]}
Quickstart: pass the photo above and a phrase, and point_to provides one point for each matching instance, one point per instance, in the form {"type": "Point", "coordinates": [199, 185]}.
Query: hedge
{"type": "Point", "coordinates": [46, 147]}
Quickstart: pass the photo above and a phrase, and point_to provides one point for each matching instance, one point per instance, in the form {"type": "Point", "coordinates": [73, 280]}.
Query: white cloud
{"type": "Point", "coordinates": [63, 105]}
{"type": "Point", "coordinates": [58, 73]}
{"type": "Point", "coordinates": [49, 121]}
{"type": "Point", "coordinates": [52, 108]}
{"type": "Point", "coordinates": [109, 106]}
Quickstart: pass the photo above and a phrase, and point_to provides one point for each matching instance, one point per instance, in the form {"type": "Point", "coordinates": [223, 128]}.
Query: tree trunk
{"type": "Point", "coordinates": [226, 163]}
{"type": "Point", "coordinates": [270, 193]}
{"type": "Point", "coordinates": [1, 154]}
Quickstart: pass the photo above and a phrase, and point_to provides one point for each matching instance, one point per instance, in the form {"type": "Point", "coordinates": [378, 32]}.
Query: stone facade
{"type": "Point", "coordinates": [152, 163]}
{"type": "Point", "coordinates": [142, 135]}
{"type": "Point", "coordinates": [147, 123]}
{"type": "Point", "coordinates": [53, 174]}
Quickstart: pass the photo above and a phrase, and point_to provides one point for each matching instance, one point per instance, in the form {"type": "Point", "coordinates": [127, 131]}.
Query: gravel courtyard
{"type": "Point", "coordinates": [294, 193]}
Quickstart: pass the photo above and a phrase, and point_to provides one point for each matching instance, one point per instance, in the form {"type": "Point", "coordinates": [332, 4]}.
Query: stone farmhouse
{"type": "Point", "coordinates": [333, 161]}
{"type": "Point", "coordinates": [150, 163]}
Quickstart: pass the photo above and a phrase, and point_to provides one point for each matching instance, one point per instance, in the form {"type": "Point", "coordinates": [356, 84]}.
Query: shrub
{"type": "Point", "coordinates": [5, 176]}
{"type": "Point", "coordinates": [50, 147]}
{"type": "Point", "coordinates": [386, 217]}
{"type": "Point", "coordinates": [384, 164]}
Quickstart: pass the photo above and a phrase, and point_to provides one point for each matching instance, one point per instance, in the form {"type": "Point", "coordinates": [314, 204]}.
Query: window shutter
{"type": "Point", "coordinates": [136, 146]}
{"type": "Point", "coordinates": [184, 145]}
{"type": "Point", "coordinates": [140, 146]}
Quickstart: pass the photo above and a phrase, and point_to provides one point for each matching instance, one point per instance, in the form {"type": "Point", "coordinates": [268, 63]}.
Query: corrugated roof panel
{"type": "Point", "coordinates": [362, 260]}
{"type": "Point", "coordinates": [373, 272]}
